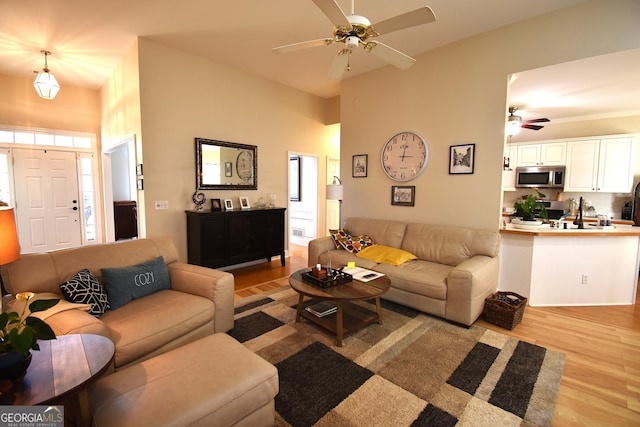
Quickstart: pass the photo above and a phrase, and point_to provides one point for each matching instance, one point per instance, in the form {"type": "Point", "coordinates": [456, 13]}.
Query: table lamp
{"type": "Point", "coordinates": [10, 247]}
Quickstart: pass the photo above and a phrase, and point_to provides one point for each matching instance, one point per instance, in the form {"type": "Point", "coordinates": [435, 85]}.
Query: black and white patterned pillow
{"type": "Point", "coordinates": [84, 288]}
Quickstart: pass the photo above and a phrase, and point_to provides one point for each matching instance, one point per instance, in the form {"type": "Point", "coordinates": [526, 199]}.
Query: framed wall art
{"type": "Point", "coordinates": [216, 205]}
{"type": "Point", "coordinates": [403, 195]}
{"type": "Point", "coordinates": [359, 165]}
{"type": "Point", "coordinates": [462, 158]}
{"type": "Point", "coordinates": [140, 184]}
{"type": "Point", "coordinates": [139, 169]}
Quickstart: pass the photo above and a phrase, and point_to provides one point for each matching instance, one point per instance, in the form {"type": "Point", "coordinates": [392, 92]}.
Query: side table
{"type": "Point", "coordinates": [62, 370]}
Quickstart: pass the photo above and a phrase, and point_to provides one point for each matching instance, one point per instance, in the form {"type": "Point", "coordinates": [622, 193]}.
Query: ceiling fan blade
{"type": "Point", "coordinates": [424, 15]}
{"type": "Point", "coordinates": [390, 55]}
{"type": "Point", "coordinates": [542, 120]}
{"type": "Point", "coordinates": [532, 127]}
{"type": "Point", "coordinates": [331, 9]}
{"type": "Point", "coordinates": [302, 45]}
{"type": "Point", "coordinates": [340, 64]}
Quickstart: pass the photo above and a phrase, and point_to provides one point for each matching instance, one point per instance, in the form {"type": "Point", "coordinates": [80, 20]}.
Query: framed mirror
{"type": "Point", "coordinates": [224, 165]}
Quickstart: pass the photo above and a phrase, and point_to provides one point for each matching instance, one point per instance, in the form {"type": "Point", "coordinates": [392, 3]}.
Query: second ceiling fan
{"type": "Point", "coordinates": [356, 30]}
{"type": "Point", "coordinates": [514, 121]}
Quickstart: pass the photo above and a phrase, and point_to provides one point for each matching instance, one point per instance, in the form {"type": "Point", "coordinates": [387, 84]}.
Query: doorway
{"type": "Point", "coordinates": [303, 198]}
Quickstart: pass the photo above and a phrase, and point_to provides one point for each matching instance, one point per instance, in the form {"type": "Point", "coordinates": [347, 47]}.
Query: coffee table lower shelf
{"type": "Point", "coordinates": [347, 319]}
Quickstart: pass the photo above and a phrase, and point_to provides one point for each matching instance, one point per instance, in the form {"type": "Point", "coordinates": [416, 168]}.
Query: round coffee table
{"type": "Point", "coordinates": [63, 369]}
{"type": "Point", "coordinates": [348, 317]}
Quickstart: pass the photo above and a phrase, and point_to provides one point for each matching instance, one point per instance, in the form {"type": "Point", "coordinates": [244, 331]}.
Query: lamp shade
{"type": "Point", "coordinates": [46, 85]}
{"type": "Point", "coordinates": [334, 192]}
{"type": "Point", "coordinates": [9, 245]}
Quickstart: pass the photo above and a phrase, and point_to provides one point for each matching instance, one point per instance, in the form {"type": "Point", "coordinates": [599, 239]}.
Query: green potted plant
{"type": "Point", "coordinates": [528, 207]}
{"type": "Point", "coordinates": [19, 334]}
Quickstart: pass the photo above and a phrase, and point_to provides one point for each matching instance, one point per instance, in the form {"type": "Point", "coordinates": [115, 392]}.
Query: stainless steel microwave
{"type": "Point", "coordinates": [540, 176]}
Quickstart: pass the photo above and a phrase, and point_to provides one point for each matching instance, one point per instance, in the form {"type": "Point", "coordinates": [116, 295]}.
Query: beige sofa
{"type": "Point", "coordinates": [199, 303]}
{"type": "Point", "coordinates": [456, 269]}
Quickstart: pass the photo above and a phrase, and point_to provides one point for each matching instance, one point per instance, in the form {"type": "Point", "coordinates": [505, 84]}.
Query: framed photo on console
{"type": "Point", "coordinates": [244, 203]}
{"type": "Point", "coordinates": [216, 206]}
{"type": "Point", "coordinates": [228, 204]}
{"type": "Point", "coordinates": [403, 195]}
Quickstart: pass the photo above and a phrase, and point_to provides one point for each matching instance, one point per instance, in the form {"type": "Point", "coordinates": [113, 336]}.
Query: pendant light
{"type": "Point", "coordinates": [46, 84]}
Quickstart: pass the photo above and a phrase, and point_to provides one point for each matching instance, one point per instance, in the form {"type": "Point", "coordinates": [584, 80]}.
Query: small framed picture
{"type": "Point", "coordinates": [139, 169]}
{"type": "Point", "coordinates": [140, 184]}
{"type": "Point", "coordinates": [359, 165]}
{"type": "Point", "coordinates": [462, 158]}
{"type": "Point", "coordinates": [403, 195]}
{"type": "Point", "coordinates": [216, 206]}
{"type": "Point", "coordinates": [228, 204]}
{"type": "Point", "coordinates": [244, 203]}
{"type": "Point", "coordinates": [228, 169]}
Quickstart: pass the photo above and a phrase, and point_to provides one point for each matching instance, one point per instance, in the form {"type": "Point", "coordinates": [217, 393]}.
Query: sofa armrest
{"type": "Point", "coordinates": [468, 285]}
{"type": "Point", "coordinates": [318, 246]}
{"type": "Point", "coordinates": [215, 285]}
{"type": "Point", "coordinates": [76, 322]}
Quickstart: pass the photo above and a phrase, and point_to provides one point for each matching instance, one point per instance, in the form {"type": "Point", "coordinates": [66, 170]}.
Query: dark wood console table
{"type": "Point", "coordinates": [218, 239]}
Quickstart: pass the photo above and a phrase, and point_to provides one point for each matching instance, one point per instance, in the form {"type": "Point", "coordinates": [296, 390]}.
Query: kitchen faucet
{"type": "Point", "coordinates": [578, 221]}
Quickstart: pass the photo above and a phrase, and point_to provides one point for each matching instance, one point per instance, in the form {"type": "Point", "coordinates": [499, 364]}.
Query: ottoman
{"type": "Point", "coordinates": [214, 381]}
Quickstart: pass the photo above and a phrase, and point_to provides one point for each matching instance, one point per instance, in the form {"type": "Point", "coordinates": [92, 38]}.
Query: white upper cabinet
{"type": "Point", "coordinates": [549, 154]}
{"type": "Point", "coordinates": [604, 165]}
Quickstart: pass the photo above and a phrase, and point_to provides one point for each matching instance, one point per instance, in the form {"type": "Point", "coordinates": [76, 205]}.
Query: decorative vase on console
{"type": "Point", "coordinates": [199, 199]}
{"type": "Point", "coordinates": [19, 334]}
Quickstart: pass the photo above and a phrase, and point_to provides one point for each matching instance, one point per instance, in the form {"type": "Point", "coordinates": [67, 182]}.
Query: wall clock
{"type": "Point", "coordinates": [244, 165]}
{"type": "Point", "coordinates": [404, 156]}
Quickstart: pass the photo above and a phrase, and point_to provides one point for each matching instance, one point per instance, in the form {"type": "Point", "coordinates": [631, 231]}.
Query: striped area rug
{"type": "Point", "coordinates": [414, 370]}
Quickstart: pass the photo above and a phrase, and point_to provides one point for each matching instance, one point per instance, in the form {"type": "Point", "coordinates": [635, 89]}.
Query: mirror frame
{"type": "Point", "coordinates": [200, 142]}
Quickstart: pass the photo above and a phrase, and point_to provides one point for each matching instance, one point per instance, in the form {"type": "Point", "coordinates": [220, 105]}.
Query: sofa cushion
{"type": "Point", "coordinates": [129, 283]}
{"type": "Point", "coordinates": [343, 240]}
{"type": "Point", "coordinates": [383, 232]}
{"type": "Point", "coordinates": [148, 323]}
{"type": "Point", "coordinates": [419, 277]}
{"type": "Point", "coordinates": [386, 255]}
{"type": "Point", "coordinates": [84, 288]}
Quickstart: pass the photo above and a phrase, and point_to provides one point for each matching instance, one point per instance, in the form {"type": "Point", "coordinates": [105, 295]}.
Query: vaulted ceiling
{"type": "Point", "coordinates": [87, 38]}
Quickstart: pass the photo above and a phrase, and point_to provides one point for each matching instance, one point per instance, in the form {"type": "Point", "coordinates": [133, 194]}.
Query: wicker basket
{"type": "Point", "coordinates": [501, 313]}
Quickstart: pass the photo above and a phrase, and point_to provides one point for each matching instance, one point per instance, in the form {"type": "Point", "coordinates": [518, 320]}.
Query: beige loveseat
{"type": "Point", "coordinates": [199, 303]}
{"type": "Point", "coordinates": [456, 269]}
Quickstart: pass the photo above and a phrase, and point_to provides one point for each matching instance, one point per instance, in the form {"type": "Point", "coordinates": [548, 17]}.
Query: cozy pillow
{"type": "Point", "coordinates": [353, 244]}
{"type": "Point", "coordinates": [129, 283]}
{"type": "Point", "coordinates": [386, 255]}
{"type": "Point", "coordinates": [84, 288]}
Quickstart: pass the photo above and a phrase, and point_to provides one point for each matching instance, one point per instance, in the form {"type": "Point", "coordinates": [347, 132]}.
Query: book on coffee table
{"type": "Point", "coordinates": [322, 308]}
{"type": "Point", "coordinates": [362, 274]}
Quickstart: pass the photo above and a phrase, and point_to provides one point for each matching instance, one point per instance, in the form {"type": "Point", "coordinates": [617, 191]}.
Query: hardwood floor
{"type": "Point", "coordinates": [601, 379]}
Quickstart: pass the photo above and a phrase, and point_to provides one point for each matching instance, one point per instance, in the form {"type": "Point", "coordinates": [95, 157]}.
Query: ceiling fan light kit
{"type": "Point", "coordinates": [355, 30]}
{"type": "Point", "coordinates": [45, 83]}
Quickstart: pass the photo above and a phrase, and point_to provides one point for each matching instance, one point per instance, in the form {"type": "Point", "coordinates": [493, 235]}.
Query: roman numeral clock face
{"type": "Point", "coordinates": [405, 156]}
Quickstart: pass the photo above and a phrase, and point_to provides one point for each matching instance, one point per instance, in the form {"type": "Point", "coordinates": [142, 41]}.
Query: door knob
{"type": "Point", "coordinates": [75, 201]}
{"type": "Point", "coordinates": [75, 208]}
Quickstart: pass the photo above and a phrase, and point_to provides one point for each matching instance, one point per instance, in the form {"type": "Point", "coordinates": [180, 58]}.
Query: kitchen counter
{"type": "Point", "coordinates": [557, 267]}
{"type": "Point", "coordinates": [589, 230]}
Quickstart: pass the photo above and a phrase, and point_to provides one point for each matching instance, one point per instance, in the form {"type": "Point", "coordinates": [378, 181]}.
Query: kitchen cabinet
{"type": "Point", "coordinates": [546, 154]}
{"type": "Point", "coordinates": [600, 165]}
{"type": "Point", "coordinates": [218, 239]}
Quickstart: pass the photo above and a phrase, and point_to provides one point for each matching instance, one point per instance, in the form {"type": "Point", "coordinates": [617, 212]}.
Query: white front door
{"type": "Point", "coordinates": [47, 201]}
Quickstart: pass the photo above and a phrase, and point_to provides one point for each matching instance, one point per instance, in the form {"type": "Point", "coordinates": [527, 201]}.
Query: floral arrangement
{"type": "Point", "coordinates": [528, 206]}
{"type": "Point", "coordinates": [21, 333]}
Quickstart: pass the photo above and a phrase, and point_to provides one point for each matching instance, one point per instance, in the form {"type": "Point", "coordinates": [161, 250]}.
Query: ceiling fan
{"type": "Point", "coordinates": [356, 30]}
{"type": "Point", "coordinates": [515, 122]}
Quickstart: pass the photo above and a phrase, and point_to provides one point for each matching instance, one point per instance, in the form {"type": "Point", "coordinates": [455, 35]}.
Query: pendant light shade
{"type": "Point", "coordinates": [46, 84]}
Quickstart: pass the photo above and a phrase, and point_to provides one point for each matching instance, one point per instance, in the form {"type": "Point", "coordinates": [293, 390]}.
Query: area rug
{"type": "Point", "coordinates": [413, 370]}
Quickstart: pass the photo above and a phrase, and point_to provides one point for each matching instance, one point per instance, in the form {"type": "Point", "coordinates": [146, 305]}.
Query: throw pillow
{"type": "Point", "coordinates": [84, 288]}
{"type": "Point", "coordinates": [386, 255]}
{"type": "Point", "coordinates": [354, 244]}
{"type": "Point", "coordinates": [129, 283]}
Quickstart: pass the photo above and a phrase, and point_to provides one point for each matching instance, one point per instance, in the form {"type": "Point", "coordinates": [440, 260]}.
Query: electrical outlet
{"type": "Point", "coordinates": [585, 279]}
{"type": "Point", "coordinates": [162, 204]}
